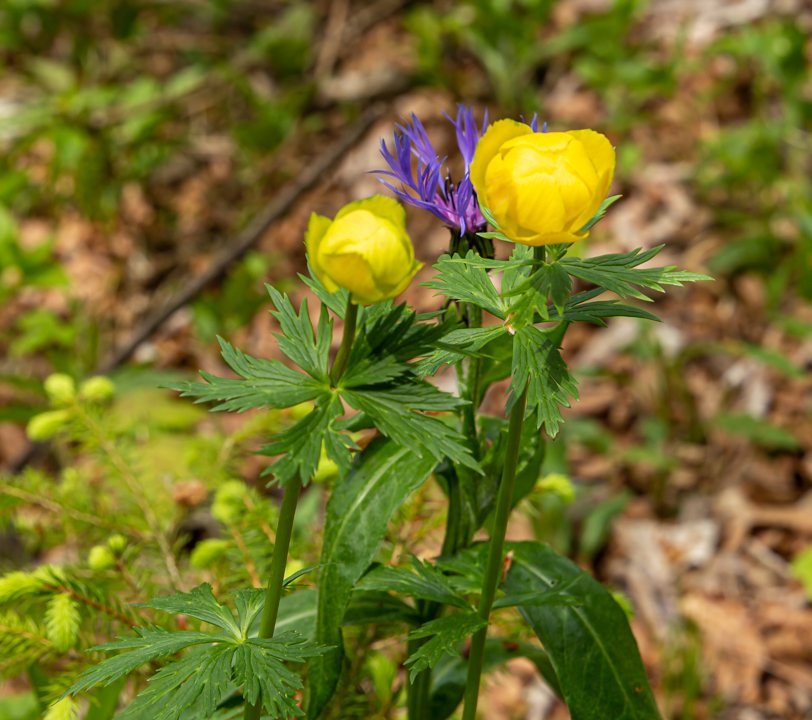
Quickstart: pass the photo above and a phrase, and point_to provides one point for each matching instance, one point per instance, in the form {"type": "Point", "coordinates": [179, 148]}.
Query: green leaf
{"type": "Point", "coordinates": [297, 613]}
{"type": "Point", "coordinates": [262, 383]}
{"type": "Point", "coordinates": [758, 430]}
{"type": "Point", "coordinates": [537, 363]}
{"type": "Point", "coordinates": [445, 633]}
{"type": "Point", "coordinates": [548, 281]}
{"type": "Point", "coordinates": [449, 675]}
{"type": "Point", "coordinates": [425, 583]}
{"type": "Point", "coordinates": [358, 512]}
{"type": "Point", "coordinates": [458, 344]}
{"type": "Point", "coordinates": [618, 272]}
{"type": "Point", "coordinates": [468, 282]}
{"type": "Point", "coordinates": [301, 444]}
{"type": "Point", "coordinates": [104, 701]}
{"type": "Point", "coordinates": [151, 644]}
{"type": "Point", "coordinates": [601, 212]}
{"type": "Point", "coordinates": [203, 674]}
{"type": "Point", "coordinates": [378, 607]}
{"type": "Point", "coordinates": [198, 603]}
{"type": "Point", "coordinates": [295, 576]}
{"type": "Point", "coordinates": [591, 639]}
{"type": "Point", "coordinates": [337, 301]}
{"type": "Point", "coordinates": [297, 341]}
{"type": "Point", "coordinates": [258, 665]}
{"type": "Point", "coordinates": [394, 411]}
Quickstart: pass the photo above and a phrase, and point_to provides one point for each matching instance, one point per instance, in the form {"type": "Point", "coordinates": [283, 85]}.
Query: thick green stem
{"type": "Point", "coordinates": [284, 529]}
{"type": "Point", "coordinates": [279, 560]}
{"type": "Point", "coordinates": [493, 570]}
{"type": "Point", "coordinates": [343, 355]}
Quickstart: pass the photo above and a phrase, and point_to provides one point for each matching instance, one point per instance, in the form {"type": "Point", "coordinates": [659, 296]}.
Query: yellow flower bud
{"type": "Point", "coordinates": [365, 250]}
{"type": "Point", "coordinates": [542, 188]}
{"type": "Point", "coordinates": [60, 388]}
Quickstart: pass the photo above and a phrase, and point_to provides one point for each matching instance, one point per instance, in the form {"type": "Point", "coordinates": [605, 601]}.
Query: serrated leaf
{"type": "Point", "coordinates": [590, 639]}
{"type": "Point", "coordinates": [601, 212]}
{"type": "Point", "coordinates": [382, 477]}
{"type": "Point", "coordinates": [537, 364]}
{"type": "Point", "coordinates": [445, 633]}
{"type": "Point", "coordinates": [425, 583]}
{"type": "Point", "coordinates": [378, 607]}
{"type": "Point", "coordinates": [258, 664]}
{"type": "Point", "coordinates": [458, 344]}
{"type": "Point", "coordinates": [296, 339]}
{"type": "Point", "coordinates": [151, 644]}
{"type": "Point", "coordinates": [198, 603]}
{"type": "Point", "coordinates": [301, 444]}
{"type": "Point", "coordinates": [395, 412]}
{"type": "Point", "coordinates": [337, 301]}
{"type": "Point", "coordinates": [262, 383]}
{"type": "Point", "coordinates": [467, 282]}
{"type": "Point", "coordinates": [202, 674]}
{"type": "Point", "coordinates": [619, 272]}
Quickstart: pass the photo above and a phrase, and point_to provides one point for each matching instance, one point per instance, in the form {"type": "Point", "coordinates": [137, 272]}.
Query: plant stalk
{"type": "Point", "coordinates": [284, 529]}
{"type": "Point", "coordinates": [279, 560]}
{"type": "Point", "coordinates": [493, 570]}
{"type": "Point", "coordinates": [343, 355]}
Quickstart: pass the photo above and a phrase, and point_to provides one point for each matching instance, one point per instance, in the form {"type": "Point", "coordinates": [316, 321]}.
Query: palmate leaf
{"type": "Point", "coordinates": [296, 339]}
{"type": "Point", "coordinates": [394, 410]}
{"type": "Point", "coordinates": [205, 674]}
{"type": "Point", "coordinates": [198, 603]}
{"type": "Point", "coordinates": [467, 281]}
{"type": "Point", "coordinates": [336, 301]}
{"type": "Point", "coordinates": [550, 280]}
{"type": "Point", "coordinates": [618, 273]}
{"type": "Point", "coordinates": [262, 383]}
{"type": "Point", "coordinates": [301, 444]}
{"type": "Point", "coordinates": [445, 633]}
{"type": "Point", "coordinates": [458, 344]}
{"type": "Point", "coordinates": [388, 338]}
{"type": "Point", "coordinates": [425, 583]}
{"type": "Point", "coordinates": [537, 363]}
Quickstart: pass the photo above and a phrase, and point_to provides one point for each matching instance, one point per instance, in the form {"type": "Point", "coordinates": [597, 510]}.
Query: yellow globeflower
{"type": "Point", "coordinates": [365, 250]}
{"type": "Point", "coordinates": [542, 188]}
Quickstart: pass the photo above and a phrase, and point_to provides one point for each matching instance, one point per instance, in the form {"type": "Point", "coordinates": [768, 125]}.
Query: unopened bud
{"type": "Point", "coordinates": [60, 388]}
{"type": "Point", "coordinates": [101, 558]}
{"type": "Point", "coordinates": [97, 389]}
{"type": "Point", "coordinates": [45, 425]}
{"type": "Point", "coordinates": [117, 544]}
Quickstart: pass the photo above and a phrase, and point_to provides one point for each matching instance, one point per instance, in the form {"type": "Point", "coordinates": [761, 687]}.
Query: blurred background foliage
{"type": "Point", "coordinates": [137, 136]}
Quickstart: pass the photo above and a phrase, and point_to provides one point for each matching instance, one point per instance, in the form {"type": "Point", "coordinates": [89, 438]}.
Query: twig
{"type": "Point", "coordinates": [90, 602]}
{"type": "Point", "coordinates": [233, 250]}
{"type": "Point", "coordinates": [55, 507]}
{"type": "Point", "coordinates": [246, 555]}
{"type": "Point", "coordinates": [138, 493]}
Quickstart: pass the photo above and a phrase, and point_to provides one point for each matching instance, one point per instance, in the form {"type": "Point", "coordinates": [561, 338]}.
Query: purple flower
{"type": "Point", "coordinates": [455, 204]}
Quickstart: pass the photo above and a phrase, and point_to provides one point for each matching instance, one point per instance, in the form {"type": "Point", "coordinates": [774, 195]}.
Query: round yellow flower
{"type": "Point", "coordinates": [542, 188]}
{"type": "Point", "coordinates": [365, 250]}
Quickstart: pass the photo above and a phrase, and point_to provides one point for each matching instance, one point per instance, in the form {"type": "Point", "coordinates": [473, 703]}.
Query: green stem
{"type": "Point", "coordinates": [493, 570]}
{"type": "Point", "coordinates": [279, 560]}
{"type": "Point", "coordinates": [343, 355]}
{"type": "Point", "coordinates": [284, 529]}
